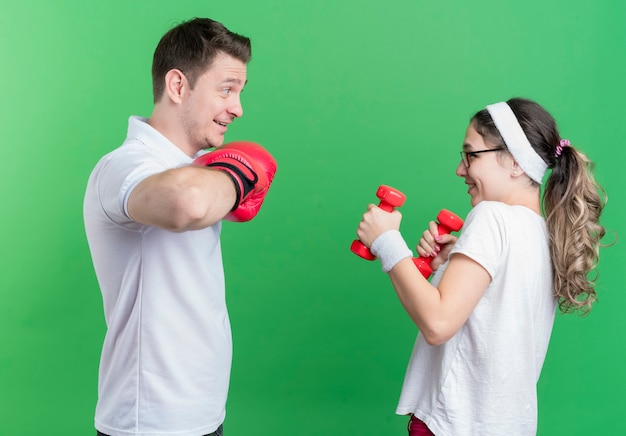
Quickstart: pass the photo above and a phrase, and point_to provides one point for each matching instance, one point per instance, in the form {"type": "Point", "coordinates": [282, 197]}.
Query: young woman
{"type": "Point", "coordinates": [486, 316]}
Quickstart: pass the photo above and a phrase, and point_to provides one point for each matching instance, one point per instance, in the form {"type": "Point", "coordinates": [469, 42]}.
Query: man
{"type": "Point", "coordinates": [153, 210]}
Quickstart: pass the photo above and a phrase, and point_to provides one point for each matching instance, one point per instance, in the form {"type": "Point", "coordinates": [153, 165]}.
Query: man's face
{"type": "Point", "coordinates": [214, 102]}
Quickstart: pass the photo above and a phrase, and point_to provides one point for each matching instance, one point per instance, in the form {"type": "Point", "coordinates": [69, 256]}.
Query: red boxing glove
{"type": "Point", "coordinates": [252, 204]}
{"type": "Point", "coordinates": [251, 169]}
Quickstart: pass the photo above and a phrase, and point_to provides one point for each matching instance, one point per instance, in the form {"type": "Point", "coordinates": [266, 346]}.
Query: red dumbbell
{"type": "Point", "coordinates": [390, 198]}
{"type": "Point", "coordinates": [447, 222]}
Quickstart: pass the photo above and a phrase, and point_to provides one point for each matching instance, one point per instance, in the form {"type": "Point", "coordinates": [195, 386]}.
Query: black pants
{"type": "Point", "coordinates": [218, 432]}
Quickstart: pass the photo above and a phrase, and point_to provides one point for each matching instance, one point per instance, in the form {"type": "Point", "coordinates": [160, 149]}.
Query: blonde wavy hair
{"type": "Point", "coordinates": [572, 203]}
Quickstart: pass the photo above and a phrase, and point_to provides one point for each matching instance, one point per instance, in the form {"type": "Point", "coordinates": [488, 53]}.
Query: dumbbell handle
{"type": "Point", "coordinates": [447, 222]}
{"type": "Point", "coordinates": [390, 198]}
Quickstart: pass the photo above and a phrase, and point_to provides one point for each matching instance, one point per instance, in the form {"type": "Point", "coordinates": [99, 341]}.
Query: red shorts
{"type": "Point", "coordinates": [417, 428]}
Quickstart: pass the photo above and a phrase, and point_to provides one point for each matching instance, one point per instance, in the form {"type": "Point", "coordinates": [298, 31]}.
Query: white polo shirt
{"type": "Point", "coordinates": [166, 359]}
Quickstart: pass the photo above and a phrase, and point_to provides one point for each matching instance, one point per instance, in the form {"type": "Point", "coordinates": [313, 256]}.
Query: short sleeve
{"type": "Point", "coordinates": [118, 175]}
{"type": "Point", "coordinates": [483, 236]}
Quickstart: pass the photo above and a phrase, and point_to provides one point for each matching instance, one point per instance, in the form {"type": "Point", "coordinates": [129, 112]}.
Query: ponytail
{"type": "Point", "coordinates": [573, 202]}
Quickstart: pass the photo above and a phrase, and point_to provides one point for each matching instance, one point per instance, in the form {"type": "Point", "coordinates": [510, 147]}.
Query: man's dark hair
{"type": "Point", "coordinates": [191, 47]}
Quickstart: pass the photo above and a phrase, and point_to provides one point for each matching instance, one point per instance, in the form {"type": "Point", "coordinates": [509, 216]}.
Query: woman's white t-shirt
{"type": "Point", "coordinates": [483, 380]}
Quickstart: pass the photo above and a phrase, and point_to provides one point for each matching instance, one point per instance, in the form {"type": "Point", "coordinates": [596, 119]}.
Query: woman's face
{"type": "Point", "coordinates": [488, 176]}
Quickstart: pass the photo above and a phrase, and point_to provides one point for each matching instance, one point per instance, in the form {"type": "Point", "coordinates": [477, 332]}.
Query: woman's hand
{"type": "Point", "coordinates": [375, 222]}
{"type": "Point", "coordinates": [431, 244]}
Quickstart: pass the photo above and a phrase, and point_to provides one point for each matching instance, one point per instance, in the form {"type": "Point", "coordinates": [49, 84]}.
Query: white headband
{"type": "Point", "coordinates": [517, 142]}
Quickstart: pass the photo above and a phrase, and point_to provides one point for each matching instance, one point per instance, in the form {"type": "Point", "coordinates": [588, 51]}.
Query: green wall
{"type": "Point", "coordinates": [348, 96]}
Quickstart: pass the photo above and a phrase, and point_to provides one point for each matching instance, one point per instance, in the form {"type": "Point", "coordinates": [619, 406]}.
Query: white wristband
{"type": "Point", "coordinates": [390, 248]}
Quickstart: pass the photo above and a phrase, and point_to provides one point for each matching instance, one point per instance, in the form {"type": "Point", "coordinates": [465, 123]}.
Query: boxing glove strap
{"type": "Point", "coordinates": [243, 183]}
{"type": "Point", "coordinates": [390, 248]}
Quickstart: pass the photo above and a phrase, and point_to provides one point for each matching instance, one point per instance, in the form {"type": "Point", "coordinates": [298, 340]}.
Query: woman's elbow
{"type": "Point", "coordinates": [438, 334]}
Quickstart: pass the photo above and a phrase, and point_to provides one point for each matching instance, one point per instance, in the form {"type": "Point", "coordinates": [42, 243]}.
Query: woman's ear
{"type": "Point", "coordinates": [516, 170]}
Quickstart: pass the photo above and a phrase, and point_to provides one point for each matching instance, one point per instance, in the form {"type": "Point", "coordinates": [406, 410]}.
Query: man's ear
{"type": "Point", "coordinates": [175, 85]}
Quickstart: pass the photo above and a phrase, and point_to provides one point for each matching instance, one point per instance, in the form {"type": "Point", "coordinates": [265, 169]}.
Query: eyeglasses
{"type": "Point", "coordinates": [465, 155]}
